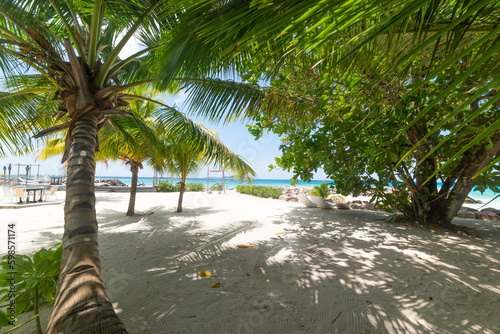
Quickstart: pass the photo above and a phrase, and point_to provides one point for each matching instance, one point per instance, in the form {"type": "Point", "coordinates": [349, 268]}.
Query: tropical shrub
{"type": "Point", "coordinates": [260, 191]}
{"type": "Point", "coordinates": [25, 282]}
{"type": "Point", "coordinates": [323, 190]}
{"type": "Point", "coordinates": [194, 186]}
{"type": "Point", "coordinates": [168, 187]}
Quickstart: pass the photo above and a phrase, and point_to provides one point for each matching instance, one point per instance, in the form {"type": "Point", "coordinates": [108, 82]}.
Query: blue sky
{"type": "Point", "coordinates": [260, 154]}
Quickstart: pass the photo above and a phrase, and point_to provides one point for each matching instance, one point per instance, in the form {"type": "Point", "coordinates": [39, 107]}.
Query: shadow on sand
{"type": "Point", "coordinates": [323, 272]}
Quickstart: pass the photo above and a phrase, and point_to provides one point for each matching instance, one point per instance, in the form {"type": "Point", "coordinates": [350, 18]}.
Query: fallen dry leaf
{"type": "Point", "coordinates": [205, 274]}
{"type": "Point", "coordinates": [244, 246]}
{"type": "Point", "coordinates": [149, 282]}
{"type": "Point", "coordinates": [216, 285]}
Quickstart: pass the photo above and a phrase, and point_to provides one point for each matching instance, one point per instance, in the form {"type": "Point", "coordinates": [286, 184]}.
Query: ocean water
{"type": "Point", "coordinates": [231, 183]}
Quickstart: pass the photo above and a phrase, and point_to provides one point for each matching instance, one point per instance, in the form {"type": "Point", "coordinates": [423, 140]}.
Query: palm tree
{"type": "Point", "coordinates": [136, 140]}
{"type": "Point", "coordinates": [133, 142]}
{"type": "Point", "coordinates": [183, 159]}
{"type": "Point", "coordinates": [120, 139]}
{"type": "Point", "coordinates": [323, 190]}
{"type": "Point", "coordinates": [77, 81]}
{"type": "Point", "coordinates": [69, 46]}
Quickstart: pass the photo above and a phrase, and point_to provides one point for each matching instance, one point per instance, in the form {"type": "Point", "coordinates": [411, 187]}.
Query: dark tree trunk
{"type": "Point", "coordinates": [423, 193]}
{"type": "Point", "coordinates": [81, 304]}
{"type": "Point", "coordinates": [181, 195]}
{"type": "Point", "coordinates": [442, 210]}
{"type": "Point", "coordinates": [134, 167]}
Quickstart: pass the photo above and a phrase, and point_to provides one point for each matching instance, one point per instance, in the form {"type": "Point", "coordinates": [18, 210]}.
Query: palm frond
{"type": "Point", "coordinates": [23, 114]}
{"type": "Point", "coordinates": [224, 100]}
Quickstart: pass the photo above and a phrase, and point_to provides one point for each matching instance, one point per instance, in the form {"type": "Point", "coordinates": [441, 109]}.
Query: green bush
{"type": "Point", "coordinates": [168, 187]}
{"type": "Point", "coordinates": [194, 186]}
{"type": "Point", "coordinates": [260, 191]}
{"type": "Point", "coordinates": [34, 281]}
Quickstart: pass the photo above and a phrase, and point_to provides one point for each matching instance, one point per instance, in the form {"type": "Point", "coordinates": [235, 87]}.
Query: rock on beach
{"type": "Point", "coordinates": [290, 194]}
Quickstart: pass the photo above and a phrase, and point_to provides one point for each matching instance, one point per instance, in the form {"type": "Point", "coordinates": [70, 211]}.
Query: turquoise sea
{"type": "Point", "coordinates": [231, 183]}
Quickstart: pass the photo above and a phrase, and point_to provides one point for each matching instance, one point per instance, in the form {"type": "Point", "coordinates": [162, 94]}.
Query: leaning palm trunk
{"type": "Point", "coordinates": [181, 195]}
{"type": "Point", "coordinates": [445, 210]}
{"type": "Point", "coordinates": [134, 167]}
{"type": "Point", "coordinates": [81, 304]}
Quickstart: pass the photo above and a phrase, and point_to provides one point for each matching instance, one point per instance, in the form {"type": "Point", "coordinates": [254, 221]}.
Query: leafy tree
{"type": "Point", "coordinates": [420, 76]}
{"type": "Point", "coordinates": [362, 141]}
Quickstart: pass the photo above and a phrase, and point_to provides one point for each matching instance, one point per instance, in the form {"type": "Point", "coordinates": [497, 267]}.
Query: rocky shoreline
{"type": "Point", "coordinates": [110, 182]}
{"type": "Point", "coordinates": [290, 194]}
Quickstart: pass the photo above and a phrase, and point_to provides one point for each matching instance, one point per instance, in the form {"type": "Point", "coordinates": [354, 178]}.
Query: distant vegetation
{"type": "Point", "coordinates": [168, 187]}
{"type": "Point", "coordinates": [194, 187]}
{"type": "Point", "coordinates": [261, 191]}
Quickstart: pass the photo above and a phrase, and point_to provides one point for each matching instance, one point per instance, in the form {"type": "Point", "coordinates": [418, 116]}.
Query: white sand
{"type": "Point", "coordinates": [326, 272]}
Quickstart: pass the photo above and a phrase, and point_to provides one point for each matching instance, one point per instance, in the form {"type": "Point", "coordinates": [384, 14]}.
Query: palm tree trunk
{"type": "Point", "coordinates": [81, 304]}
{"type": "Point", "coordinates": [134, 167]}
{"type": "Point", "coordinates": [181, 195]}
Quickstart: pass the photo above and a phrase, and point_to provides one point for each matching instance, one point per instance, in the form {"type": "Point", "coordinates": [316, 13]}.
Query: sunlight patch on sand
{"type": "Point", "coordinates": [280, 256]}
{"type": "Point", "coordinates": [426, 259]}
{"type": "Point", "coordinates": [133, 227]}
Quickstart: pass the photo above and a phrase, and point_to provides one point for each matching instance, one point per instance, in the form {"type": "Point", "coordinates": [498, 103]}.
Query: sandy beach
{"type": "Point", "coordinates": [309, 270]}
